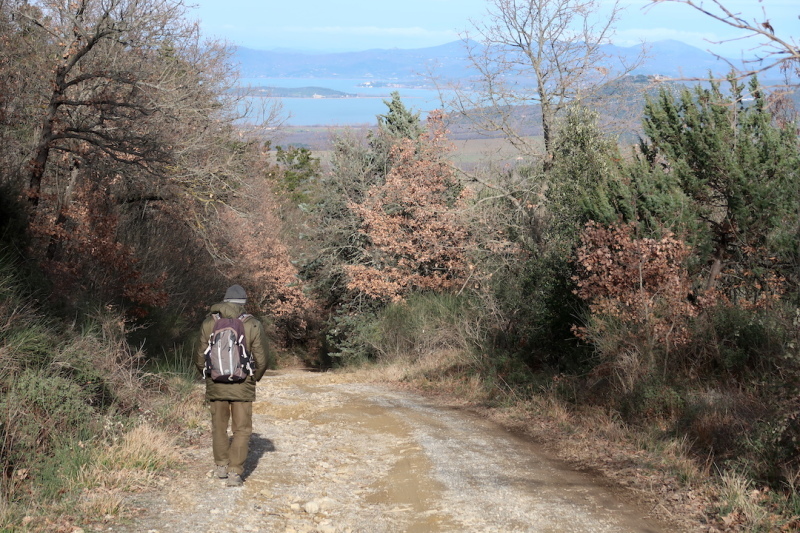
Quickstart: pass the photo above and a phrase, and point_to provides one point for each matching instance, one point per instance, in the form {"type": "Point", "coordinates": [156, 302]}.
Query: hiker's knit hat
{"type": "Point", "coordinates": [236, 295]}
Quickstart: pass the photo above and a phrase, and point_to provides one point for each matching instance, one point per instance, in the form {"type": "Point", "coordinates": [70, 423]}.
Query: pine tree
{"type": "Point", "coordinates": [400, 122]}
{"type": "Point", "coordinates": [725, 162]}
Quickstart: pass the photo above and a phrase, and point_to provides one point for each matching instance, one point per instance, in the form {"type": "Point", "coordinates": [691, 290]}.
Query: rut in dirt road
{"type": "Point", "coordinates": [328, 455]}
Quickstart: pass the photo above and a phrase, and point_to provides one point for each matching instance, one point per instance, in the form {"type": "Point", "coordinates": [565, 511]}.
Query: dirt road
{"type": "Point", "coordinates": [329, 455]}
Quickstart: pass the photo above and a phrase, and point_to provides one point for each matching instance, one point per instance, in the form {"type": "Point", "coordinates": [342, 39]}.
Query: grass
{"type": "Point", "coordinates": [741, 503]}
{"type": "Point", "coordinates": [81, 420]}
{"type": "Point", "coordinates": [129, 464]}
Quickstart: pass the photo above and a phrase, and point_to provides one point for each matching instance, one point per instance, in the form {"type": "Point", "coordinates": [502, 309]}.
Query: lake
{"type": "Point", "coordinates": [344, 111]}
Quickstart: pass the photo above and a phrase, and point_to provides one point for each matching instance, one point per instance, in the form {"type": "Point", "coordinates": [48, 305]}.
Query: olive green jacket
{"type": "Point", "coordinates": [257, 346]}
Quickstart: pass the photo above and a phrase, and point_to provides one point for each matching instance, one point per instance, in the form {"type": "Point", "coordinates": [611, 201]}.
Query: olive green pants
{"type": "Point", "coordinates": [231, 451]}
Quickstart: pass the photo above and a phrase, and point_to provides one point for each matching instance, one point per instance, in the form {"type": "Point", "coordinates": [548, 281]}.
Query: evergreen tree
{"type": "Point", "coordinates": [357, 165]}
{"type": "Point", "coordinates": [585, 181]}
{"type": "Point", "coordinates": [400, 122]}
{"type": "Point", "coordinates": [720, 170]}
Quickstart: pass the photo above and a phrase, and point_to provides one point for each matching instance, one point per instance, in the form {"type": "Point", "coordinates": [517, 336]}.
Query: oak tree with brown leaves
{"type": "Point", "coordinates": [640, 282]}
{"type": "Point", "coordinates": [252, 252]}
{"type": "Point", "coordinates": [416, 241]}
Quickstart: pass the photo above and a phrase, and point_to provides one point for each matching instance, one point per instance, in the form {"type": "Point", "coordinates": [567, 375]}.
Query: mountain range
{"type": "Point", "coordinates": [449, 61]}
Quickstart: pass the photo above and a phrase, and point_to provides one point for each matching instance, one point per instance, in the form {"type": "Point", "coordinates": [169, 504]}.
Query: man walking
{"type": "Point", "coordinates": [233, 402]}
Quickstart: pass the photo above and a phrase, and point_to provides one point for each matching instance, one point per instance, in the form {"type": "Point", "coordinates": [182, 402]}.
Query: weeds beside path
{"type": "Point", "coordinates": [334, 453]}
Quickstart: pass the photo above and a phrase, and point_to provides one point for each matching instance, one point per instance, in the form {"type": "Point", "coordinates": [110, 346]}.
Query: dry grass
{"type": "Point", "coordinates": [443, 371]}
{"type": "Point", "coordinates": [129, 465]}
{"type": "Point", "coordinates": [180, 408]}
{"type": "Point", "coordinates": [471, 152]}
{"type": "Point", "coordinates": [739, 503]}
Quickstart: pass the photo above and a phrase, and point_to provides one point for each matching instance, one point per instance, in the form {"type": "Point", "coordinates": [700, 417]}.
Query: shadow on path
{"type": "Point", "coordinates": [258, 447]}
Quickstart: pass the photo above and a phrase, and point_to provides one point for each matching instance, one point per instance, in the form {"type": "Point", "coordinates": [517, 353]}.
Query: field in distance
{"type": "Point", "coordinates": [467, 153]}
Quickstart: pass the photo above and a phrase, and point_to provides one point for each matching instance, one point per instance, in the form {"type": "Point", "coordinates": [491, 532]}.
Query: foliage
{"type": "Point", "coordinates": [415, 239]}
{"type": "Point", "coordinates": [357, 164]}
{"type": "Point", "coordinates": [639, 281]}
{"type": "Point", "coordinates": [249, 233]}
{"type": "Point", "coordinates": [38, 410]}
{"type": "Point", "coordinates": [332, 235]}
{"type": "Point", "coordinates": [399, 122]}
{"type": "Point", "coordinates": [424, 324]}
{"type": "Point", "coordinates": [120, 138]}
{"type": "Point", "coordinates": [369, 241]}
{"type": "Point", "coordinates": [687, 266]}
{"type": "Point", "coordinates": [67, 393]}
{"type": "Point", "coordinates": [299, 168]}
{"type": "Point", "coordinates": [585, 181]}
{"type": "Point", "coordinates": [348, 337]}
{"type": "Point", "coordinates": [736, 172]}
{"type": "Point", "coordinates": [91, 256]}
{"type": "Point", "coordinates": [13, 220]}
{"type": "Point", "coordinates": [527, 239]}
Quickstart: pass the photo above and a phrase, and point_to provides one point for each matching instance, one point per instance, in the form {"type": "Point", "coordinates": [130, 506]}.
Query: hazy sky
{"type": "Point", "coordinates": [352, 25]}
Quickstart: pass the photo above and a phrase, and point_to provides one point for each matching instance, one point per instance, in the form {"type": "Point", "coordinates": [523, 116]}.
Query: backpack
{"type": "Point", "coordinates": [227, 360]}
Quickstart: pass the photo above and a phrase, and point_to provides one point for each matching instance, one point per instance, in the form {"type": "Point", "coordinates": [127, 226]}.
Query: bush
{"type": "Point", "coordinates": [13, 220]}
{"type": "Point", "coordinates": [39, 412]}
{"type": "Point", "coordinates": [425, 323]}
{"type": "Point", "coordinates": [347, 338]}
{"type": "Point", "coordinates": [407, 331]}
{"type": "Point", "coordinates": [651, 400]}
{"type": "Point", "coordinates": [748, 340]}
{"type": "Point", "coordinates": [102, 361]}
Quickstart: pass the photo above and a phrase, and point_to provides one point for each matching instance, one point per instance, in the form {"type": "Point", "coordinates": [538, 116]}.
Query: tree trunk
{"type": "Point", "coordinates": [716, 269]}
{"type": "Point", "coordinates": [46, 136]}
{"type": "Point", "coordinates": [55, 243]}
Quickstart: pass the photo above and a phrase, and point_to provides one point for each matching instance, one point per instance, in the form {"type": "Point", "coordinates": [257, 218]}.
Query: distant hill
{"type": "Point", "coordinates": [378, 64]}
{"type": "Point", "coordinates": [449, 61]}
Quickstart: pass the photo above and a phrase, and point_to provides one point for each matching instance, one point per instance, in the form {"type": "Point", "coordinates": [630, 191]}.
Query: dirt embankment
{"type": "Point", "coordinates": [332, 455]}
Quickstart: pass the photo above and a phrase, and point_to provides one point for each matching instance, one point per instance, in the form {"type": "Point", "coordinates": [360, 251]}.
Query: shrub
{"type": "Point", "coordinates": [640, 286]}
{"type": "Point", "coordinates": [733, 175]}
{"type": "Point", "coordinates": [748, 340]}
{"type": "Point", "coordinates": [424, 324]}
{"type": "Point", "coordinates": [39, 413]}
{"type": "Point", "coordinates": [651, 400]}
{"type": "Point", "coordinates": [416, 239]}
{"type": "Point", "coordinates": [348, 337]}
{"type": "Point", "coordinates": [101, 360]}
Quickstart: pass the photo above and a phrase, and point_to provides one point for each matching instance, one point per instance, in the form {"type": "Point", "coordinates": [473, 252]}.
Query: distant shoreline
{"type": "Point", "coordinates": [359, 97]}
{"type": "Point", "coordinates": [298, 93]}
{"type": "Point", "coordinates": [331, 101]}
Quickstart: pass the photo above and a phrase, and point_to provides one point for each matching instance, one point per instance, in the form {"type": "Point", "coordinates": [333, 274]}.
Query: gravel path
{"type": "Point", "coordinates": [332, 456]}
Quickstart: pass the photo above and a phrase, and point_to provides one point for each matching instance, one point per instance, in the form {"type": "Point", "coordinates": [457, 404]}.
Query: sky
{"type": "Point", "coordinates": [355, 25]}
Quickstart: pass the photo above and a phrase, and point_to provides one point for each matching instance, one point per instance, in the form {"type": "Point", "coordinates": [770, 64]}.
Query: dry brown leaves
{"type": "Point", "coordinates": [417, 241]}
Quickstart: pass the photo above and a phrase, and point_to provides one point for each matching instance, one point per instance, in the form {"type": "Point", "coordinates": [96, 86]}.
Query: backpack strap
{"type": "Point", "coordinates": [216, 317]}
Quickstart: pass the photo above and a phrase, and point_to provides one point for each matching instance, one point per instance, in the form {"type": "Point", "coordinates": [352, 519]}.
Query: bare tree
{"type": "Point", "coordinates": [97, 91]}
{"type": "Point", "coordinates": [535, 54]}
{"type": "Point", "coordinates": [771, 49]}
{"type": "Point", "coordinates": [125, 118]}
{"type": "Point", "coordinates": [131, 81]}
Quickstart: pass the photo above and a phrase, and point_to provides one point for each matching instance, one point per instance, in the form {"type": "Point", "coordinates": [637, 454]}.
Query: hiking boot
{"type": "Point", "coordinates": [234, 480]}
{"type": "Point", "coordinates": [221, 471]}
